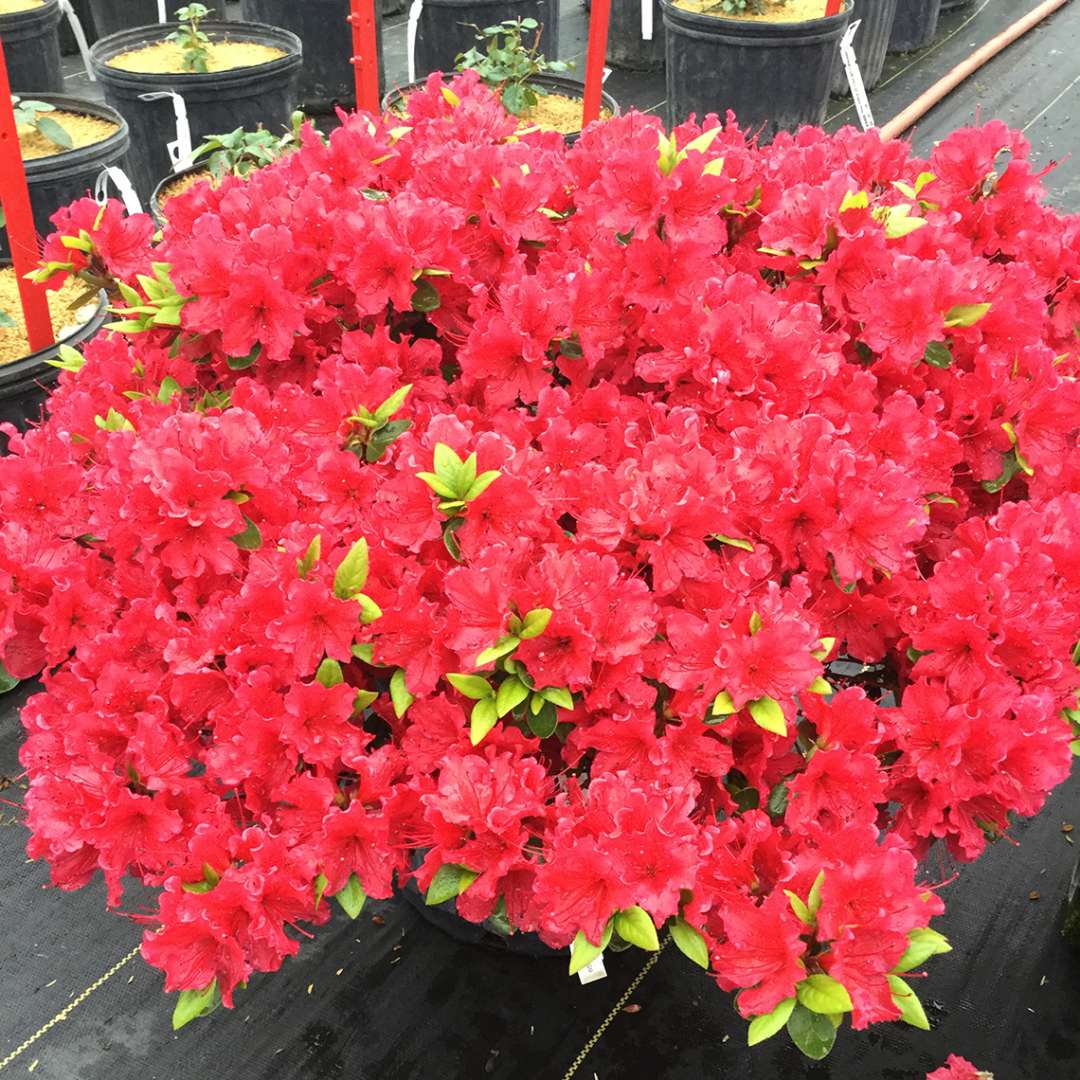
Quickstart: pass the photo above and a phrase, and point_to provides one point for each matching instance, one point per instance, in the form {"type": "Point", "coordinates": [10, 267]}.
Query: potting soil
{"type": "Point", "coordinates": [167, 58]}
{"type": "Point", "coordinates": [84, 131]}
{"type": "Point", "coordinates": [9, 7]}
{"type": "Point", "coordinates": [790, 11]}
{"type": "Point", "coordinates": [65, 319]}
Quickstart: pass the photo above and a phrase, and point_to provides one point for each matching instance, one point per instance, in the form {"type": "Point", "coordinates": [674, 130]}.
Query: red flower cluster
{"type": "Point", "coordinates": [664, 532]}
{"type": "Point", "coordinates": [958, 1068]}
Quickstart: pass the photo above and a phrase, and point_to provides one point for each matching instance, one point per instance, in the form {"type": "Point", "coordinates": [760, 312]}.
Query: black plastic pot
{"type": "Point", "coordinates": [557, 83]}
{"type": "Point", "coordinates": [112, 16]}
{"type": "Point", "coordinates": [775, 76]}
{"type": "Point", "coordinates": [876, 18]}
{"type": "Point", "coordinates": [25, 383]}
{"type": "Point", "coordinates": [68, 45]}
{"type": "Point", "coordinates": [62, 178]}
{"type": "Point", "coordinates": [327, 77]}
{"type": "Point", "coordinates": [915, 25]}
{"type": "Point", "coordinates": [216, 101]}
{"type": "Point", "coordinates": [952, 5]}
{"type": "Point", "coordinates": [446, 28]}
{"type": "Point", "coordinates": [626, 48]}
{"type": "Point", "coordinates": [32, 48]}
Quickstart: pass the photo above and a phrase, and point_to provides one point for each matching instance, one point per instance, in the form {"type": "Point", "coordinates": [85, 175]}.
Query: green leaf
{"type": "Point", "coordinates": [766, 1026]}
{"type": "Point", "coordinates": [352, 897]}
{"type": "Point", "coordinates": [54, 132]}
{"type": "Point", "coordinates": [514, 99]}
{"type": "Point", "coordinates": [425, 297]}
{"type": "Point", "coordinates": [169, 387]}
{"type": "Point", "coordinates": [823, 994]}
{"type": "Point", "coordinates": [827, 644]}
{"type": "Point", "coordinates": [778, 799]}
{"type": "Point", "coordinates": [559, 696]}
{"type": "Point", "coordinates": [392, 403]}
{"type": "Point", "coordinates": [802, 912]}
{"type": "Point", "coordinates": [400, 697]}
{"type": "Point", "coordinates": [480, 484]}
{"type": "Point", "coordinates": [352, 574]}
{"type": "Point", "coordinates": [768, 714]}
{"type": "Point", "coordinates": [472, 686]}
{"type": "Point", "coordinates": [811, 1032]}
{"type": "Point", "coordinates": [329, 674]}
{"type": "Point", "coordinates": [690, 942]}
{"type": "Point", "coordinates": [922, 944]}
{"type": "Point", "coordinates": [193, 1004]}
{"type": "Point", "coordinates": [544, 721]}
{"type": "Point", "coordinates": [7, 680]}
{"type": "Point", "coordinates": [938, 354]}
{"type": "Point", "coordinates": [364, 651]}
{"type": "Point", "coordinates": [536, 622]}
{"type": "Point", "coordinates": [369, 610]}
{"type": "Point", "coordinates": [381, 439]}
{"type": "Point", "coordinates": [813, 901]}
{"type": "Point", "coordinates": [483, 718]}
{"type": "Point", "coordinates": [723, 705]}
{"type": "Point", "coordinates": [820, 686]}
{"type": "Point", "coordinates": [69, 359]}
{"type": "Point", "coordinates": [635, 925]}
{"type": "Point", "coordinates": [250, 539]}
{"type": "Point", "coordinates": [305, 565]}
{"type": "Point", "coordinates": [363, 699]}
{"type": "Point", "coordinates": [512, 692]}
{"type": "Point", "coordinates": [965, 315]}
{"type": "Point", "coordinates": [906, 1000]}
{"type": "Point", "coordinates": [242, 363]}
{"type": "Point", "coordinates": [320, 889]}
{"type": "Point", "coordinates": [439, 486]}
{"type": "Point", "coordinates": [754, 625]}
{"type": "Point", "coordinates": [503, 646]}
{"type": "Point", "coordinates": [734, 541]}
{"type": "Point", "coordinates": [450, 880]}
{"type": "Point", "coordinates": [583, 952]}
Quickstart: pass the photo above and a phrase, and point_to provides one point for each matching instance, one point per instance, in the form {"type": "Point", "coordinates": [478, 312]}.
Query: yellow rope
{"type": "Point", "coordinates": [68, 1009]}
{"type": "Point", "coordinates": [619, 1005]}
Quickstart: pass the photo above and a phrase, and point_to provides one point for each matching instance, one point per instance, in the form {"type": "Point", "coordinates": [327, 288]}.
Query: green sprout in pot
{"type": "Point", "coordinates": [193, 42]}
{"type": "Point", "coordinates": [240, 152]}
{"type": "Point", "coordinates": [507, 64]}
{"type": "Point", "coordinates": [34, 114]}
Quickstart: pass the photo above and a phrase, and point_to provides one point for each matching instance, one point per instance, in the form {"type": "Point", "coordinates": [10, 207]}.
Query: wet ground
{"type": "Point", "coordinates": [389, 997]}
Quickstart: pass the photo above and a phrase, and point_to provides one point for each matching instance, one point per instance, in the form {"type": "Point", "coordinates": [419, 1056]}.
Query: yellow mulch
{"type": "Point", "coordinates": [84, 131]}
{"type": "Point", "coordinates": [167, 58]}
{"type": "Point", "coordinates": [791, 11]}
{"type": "Point", "coordinates": [13, 341]}
{"type": "Point", "coordinates": [9, 7]}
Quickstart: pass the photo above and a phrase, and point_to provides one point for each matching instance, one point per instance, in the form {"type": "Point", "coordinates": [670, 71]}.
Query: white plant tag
{"type": "Point", "coordinates": [162, 14]}
{"type": "Point", "coordinates": [594, 971]}
{"type": "Point", "coordinates": [646, 20]}
{"type": "Point", "coordinates": [854, 76]}
{"type": "Point", "coordinates": [410, 34]}
{"type": "Point", "coordinates": [80, 37]}
{"type": "Point", "coordinates": [604, 77]}
{"type": "Point", "coordinates": [180, 149]}
{"type": "Point", "coordinates": [123, 185]}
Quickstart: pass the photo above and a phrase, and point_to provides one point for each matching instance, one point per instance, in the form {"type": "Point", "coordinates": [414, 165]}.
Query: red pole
{"type": "Point", "coordinates": [22, 238]}
{"type": "Point", "coordinates": [832, 7]}
{"type": "Point", "coordinates": [599, 17]}
{"type": "Point", "coordinates": [365, 58]}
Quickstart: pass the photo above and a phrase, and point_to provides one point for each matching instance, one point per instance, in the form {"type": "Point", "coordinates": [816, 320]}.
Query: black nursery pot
{"type": "Point", "coordinates": [216, 101]}
{"type": "Point", "coordinates": [775, 76]}
{"type": "Point", "coordinates": [444, 28]}
{"type": "Point", "coordinates": [32, 47]}
{"type": "Point", "coordinates": [25, 383]}
{"type": "Point", "coordinates": [112, 16]}
{"type": "Point", "coordinates": [876, 18]}
{"type": "Point", "coordinates": [952, 5]}
{"type": "Point", "coordinates": [62, 178]}
{"type": "Point", "coordinates": [915, 25]}
{"type": "Point", "coordinates": [327, 77]}
{"type": "Point", "coordinates": [626, 48]}
{"type": "Point", "coordinates": [556, 83]}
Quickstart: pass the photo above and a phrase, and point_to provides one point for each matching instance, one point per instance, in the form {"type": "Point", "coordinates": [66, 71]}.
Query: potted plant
{"type": "Point", "coordinates": [235, 153]}
{"type": "Point", "coordinates": [229, 74]}
{"type": "Point", "coordinates": [669, 534]}
{"type": "Point", "coordinates": [871, 43]}
{"type": "Point", "coordinates": [530, 87]}
{"type": "Point", "coordinates": [65, 143]}
{"type": "Point", "coordinates": [30, 32]}
{"type": "Point", "coordinates": [446, 28]}
{"type": "Point", "coordinates": [915, 25]}
{"type": "Point", "coordinates": [769, 61]}
{"type": "Point", "coordinates": [327, 78]}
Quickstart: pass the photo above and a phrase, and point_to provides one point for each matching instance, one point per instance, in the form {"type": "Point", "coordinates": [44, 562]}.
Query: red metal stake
{"type": "Point", "coordinates": [22, 239]}
{"type": "Point", "coordinates": [599, 17]}
{"type": "Point", "coordinates": [832, 7]}
{"type": "Point", "coordinates": [365, 58]}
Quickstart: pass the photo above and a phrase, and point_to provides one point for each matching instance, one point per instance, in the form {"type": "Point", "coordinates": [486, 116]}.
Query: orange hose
{"type": "Point", "coordinates": [925, 102]}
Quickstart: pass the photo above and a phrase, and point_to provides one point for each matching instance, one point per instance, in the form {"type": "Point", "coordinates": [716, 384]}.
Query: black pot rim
{"type": "Point", "coordinates": [16, 371]}
{"type": "Point", "coordinates": [104, 49]}
{"type": "Point", "coordinates": [20, 20]}
{"type": "Point", "coordinates": [41, 169]}
{"type": "Point", "coordinates": [750, 31]}
{"type": "Point", "coordinates": [571, 87]}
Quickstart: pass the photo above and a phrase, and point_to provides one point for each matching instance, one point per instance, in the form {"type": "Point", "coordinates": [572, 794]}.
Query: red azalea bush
{"type": "Point", "coordinates": [613, 538]}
